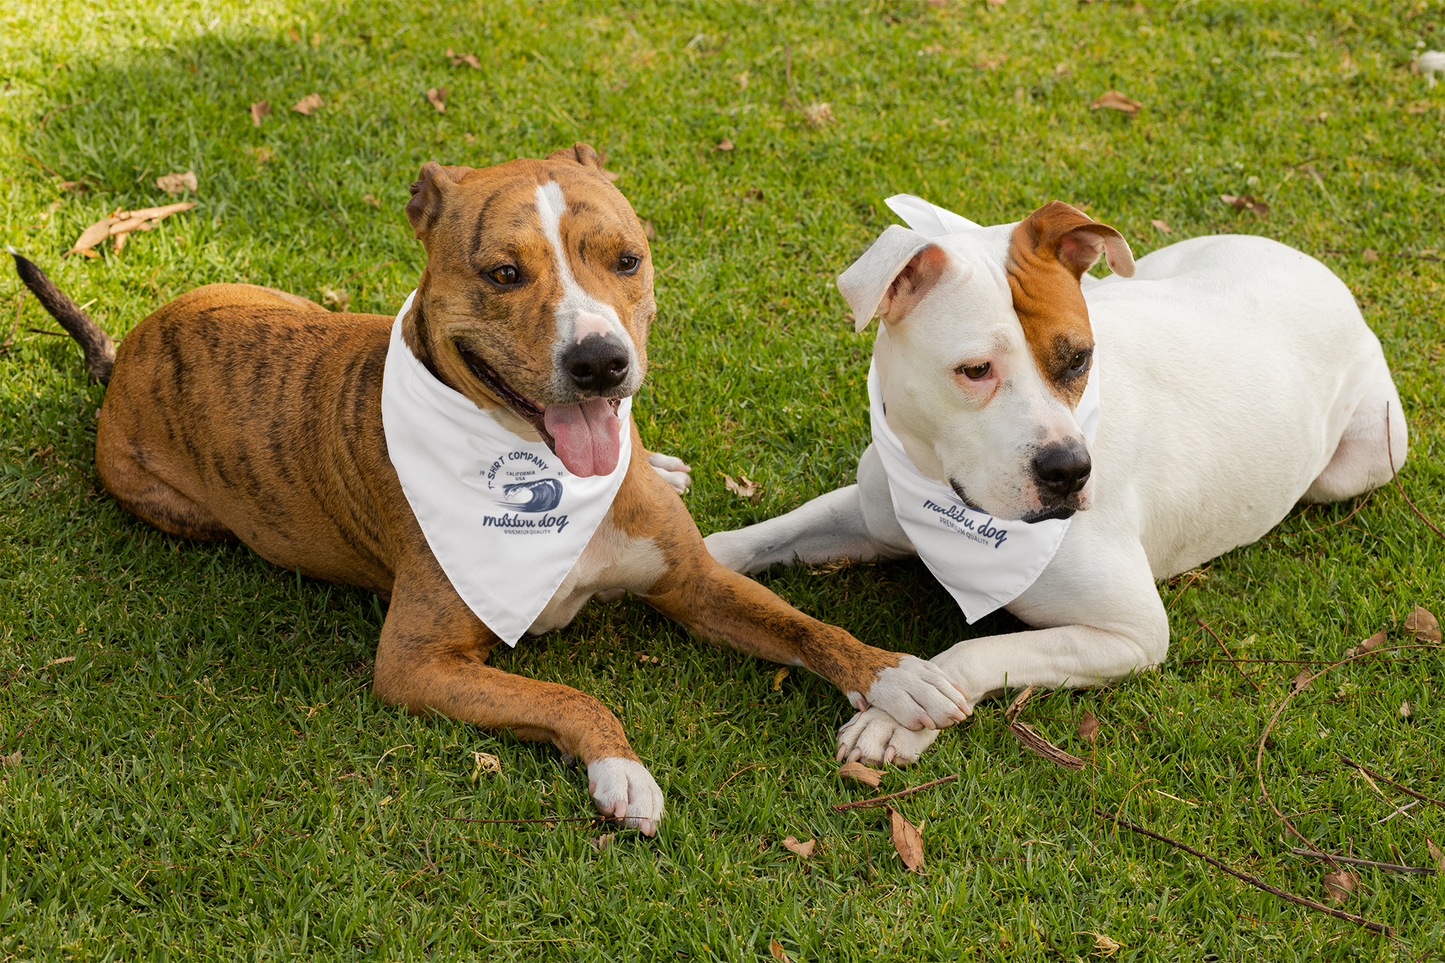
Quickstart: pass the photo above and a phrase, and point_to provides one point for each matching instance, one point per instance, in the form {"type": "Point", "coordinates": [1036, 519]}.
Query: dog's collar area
{"type": "Point", "coordinates": [524, 407]}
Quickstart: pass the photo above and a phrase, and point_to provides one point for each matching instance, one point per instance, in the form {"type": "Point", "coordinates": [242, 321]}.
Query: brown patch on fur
{"type": "Point", "coordinates": [1048, 253]}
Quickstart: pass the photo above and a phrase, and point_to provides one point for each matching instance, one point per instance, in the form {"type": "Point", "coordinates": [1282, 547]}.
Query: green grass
{"type": "Point", "coordinates": [210, 778]}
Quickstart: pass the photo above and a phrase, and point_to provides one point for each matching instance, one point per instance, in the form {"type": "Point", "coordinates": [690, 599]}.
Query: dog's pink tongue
{"type": "Point", "coordinates": [587, 436]}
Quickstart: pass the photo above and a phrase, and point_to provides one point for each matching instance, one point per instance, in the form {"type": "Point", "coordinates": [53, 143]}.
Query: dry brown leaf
{"type": "Point", "coordinates": [724, 144]}
{"type": "Point", "coordinates": [92, 236]}
{"type": "Point", "coordinates": [1436, 855]}
{"type": "Point", "coordinates": [1088, 727]}
{"type": "Point", "coordinates": [469, 59]}
{"type": "Point", "coordinates": [1106, 946]}
{"type": "Point", "coordinates": [1372, 642]}
{"type": "Point", "coordinates": [1161, 226]}
{"type": "Point", "coordinates": [906, 839]}
{"type": "Point", "coordinates": [804, 850]}
{"type": "Point", "coordinates": [602, 842]}
{"type": "Point", "coordinates": [1370, 255]}
{"type": "Point", "coordinates": [819, 115]}
{"type": "Point", "coordinates": [122, 222]}
{"type": "Point", "coordinates": [779, 954]}
{"type": "Point", "coordinates": [1302, 680]}
{"type": "Point", "coordinates": [178, 183]}
{"type": "Point", "coordinates": [1339, 884]}
{"type": "Point", "coordinates": [1246, 202]}
{"type": "Point", "coordinates": [261, 154]}
{"type": "Point", "coordinates": [743, 487]}
{"type": "Point", "coordinates": [60, 661]}
{"type": "Point", "coordinates": [1030, 739]}
{"type": "Point", "coordinates": [1113, 100]}
{"type": "Point", "coordinates": [11, 760]}
{"type": "Point", "coordinates": [118, 241]}
{"type": "Point", "coordinates": [335, 298]}
{"type": "Point", "coordinates": [862, 773]}
{"type": "Point", "coordinates": [308, 103]}
{"type": "Point", "coordinates": [292, 35]}
{"type": "Point", "coordinates": [778, 678]}
{"type": "Point", "coordinates": [484, 762]}
{"type": "Point", "coordinates": [435, 96]}
{"type": "Point", "coordinates": [258, 110]}
{"type": "Point", "coordinates": [371, 199]}
{"type": "Point", "coordinates": [1423, 625]}
{"type": "Point", "coordinates": [1405, 710]}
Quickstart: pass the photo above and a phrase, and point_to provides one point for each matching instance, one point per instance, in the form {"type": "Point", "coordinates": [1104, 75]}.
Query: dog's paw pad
{"type": "Point", "coordinates": [874, 737]}
{"type": "Point", "coordinates": [623, 789]}
{"type": "Point", "coordinates": [919, 695]}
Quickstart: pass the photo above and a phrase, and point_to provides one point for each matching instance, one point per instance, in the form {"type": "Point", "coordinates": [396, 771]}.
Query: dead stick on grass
{"type": "Point", "coordinates": [1229, 656]}
{"type": "Point", "coordinates": [1387, 867]}
{"type": "Point", "coordinates": [879, 800]}
{"type": "Point", "coordinates": [596, 820]}
{"type": "Point", "coordinates": [1375, 775]}
{"type": "Point", "coordinates": [1254, 881]}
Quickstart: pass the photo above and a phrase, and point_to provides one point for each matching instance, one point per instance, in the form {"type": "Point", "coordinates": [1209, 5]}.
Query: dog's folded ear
{"type": "Point", "coordinates": [427, 193]}
{"type": "Point", "coordinates": [582, 154]}
{"type": "Point", "coordinates": [891, 276]}
{"type": "Point", "coordinates": [1077, 240]}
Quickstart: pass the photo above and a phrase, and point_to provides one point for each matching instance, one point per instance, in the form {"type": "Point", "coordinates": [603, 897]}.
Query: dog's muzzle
{"type": "Point", "coordinates": [1061, 471]}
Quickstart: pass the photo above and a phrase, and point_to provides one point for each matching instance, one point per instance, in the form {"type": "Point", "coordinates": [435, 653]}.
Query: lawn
{"type": "Point", "coordinates": [193, 765]}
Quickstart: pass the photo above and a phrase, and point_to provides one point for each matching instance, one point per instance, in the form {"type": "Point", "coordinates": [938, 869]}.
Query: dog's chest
{"type": "Point", "coordinates": [613, 562]}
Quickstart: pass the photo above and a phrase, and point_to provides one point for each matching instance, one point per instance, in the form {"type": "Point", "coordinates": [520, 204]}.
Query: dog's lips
{"type": "Point", "coordinates": [525, 408]}
{"type": "Point", "coordinates": [1028, 518]}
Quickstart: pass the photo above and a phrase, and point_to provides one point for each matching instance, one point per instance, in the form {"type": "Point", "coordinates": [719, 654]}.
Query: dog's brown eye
{"type": "Point", "coordinates": [505, 275]}
{"type": "Point", "coordinates": [1079, 359]}
{"type": "Point", "coordinates": [974, 372]}
{"type": "Point", "coordinates": [627, 264]}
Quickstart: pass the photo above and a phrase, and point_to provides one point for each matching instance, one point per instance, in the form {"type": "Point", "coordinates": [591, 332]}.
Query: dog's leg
{"type": "Point", "coordinates": [1371, 449]}
{"type": "Point", "coordinates": [142, 493]}
{"type": "Point", "coordinates": [1107, 621]}
{"type": "Point", "coordinates": [855, 522]}
{"type": "Point", "coordinates": [432, 657]}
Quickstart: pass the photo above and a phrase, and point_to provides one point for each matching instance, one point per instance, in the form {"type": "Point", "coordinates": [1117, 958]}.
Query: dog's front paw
{"type": "Point", "coordinates": [674, 471]}
{"type": "Point", "coordinates": [875, 737]}
{"type": "Point", "coordinates": [918, 694]}
{"type": "Point", "coordinates": [624, 789]}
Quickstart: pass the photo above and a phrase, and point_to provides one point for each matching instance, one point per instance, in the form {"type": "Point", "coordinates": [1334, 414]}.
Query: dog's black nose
{"type": "Point", "coordinates": [597, 363]}
{"type": "Point", "coordinates": [1062, 469]}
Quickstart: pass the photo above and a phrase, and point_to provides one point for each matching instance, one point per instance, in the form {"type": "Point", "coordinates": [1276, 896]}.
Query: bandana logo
{"type": "Point", "coordinates": [525, 485]}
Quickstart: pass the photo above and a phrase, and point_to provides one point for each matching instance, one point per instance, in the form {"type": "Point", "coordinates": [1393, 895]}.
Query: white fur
{"type": "Point", "coordinates": [578, 313]}
{"type": "Point", "coordinates": [1239, 379]}
{"type": "Point", "coordinates": [674, 471]}
{"type": "Point", "coordinates": [624, 789]}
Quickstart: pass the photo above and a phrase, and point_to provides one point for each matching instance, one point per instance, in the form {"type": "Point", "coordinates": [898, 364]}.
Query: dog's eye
{"type": "Point", "coordinates": [1079, 359]}
{"type": "Point", "coordinates": [628, 264]}
{"type": "Point", "coordinates": [506, 275]}
{"type": "Point", "coordinates": [974, 372]}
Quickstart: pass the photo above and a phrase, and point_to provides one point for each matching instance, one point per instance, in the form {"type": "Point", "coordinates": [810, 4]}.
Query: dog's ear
{"type": "Point", "coordinates": [891, 276]}
{"type": "Point", "coordinates": [427, 194]}
{"type": "Point", "coordinates": [582, 154]}
{"type": "Point", "coordinates": [1077, 240]}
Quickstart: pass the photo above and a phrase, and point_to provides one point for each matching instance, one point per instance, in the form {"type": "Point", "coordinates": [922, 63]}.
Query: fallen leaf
{"type": "Point", "coordinates": [258, 110]}
{"type": "Point", "coordinates": [906, 839]}
{"type": "Point", "coordinates": [92, 236]}
{"type": "Point", "coordinates": [177, 183]}
{"type": "Point", "coordinates": [1161, 226]}
{"type": "Point", "coordinates": [77, 187]}
{"type": "Point", "coordinates": [484, 762]}
{"type": "Point", "coordinates": [754, 194]}
{"type": "Point", "coordinates": [435, 95]}
{"type": "Point", "coordinates": [1369, 254]}
{"type": "Point", "coordinates": [308, 103]}
{"type": "Point", "coordinates": [1246, 202]}
{"type": "Point", "coordinates": [1106, 946]}
{"type": "Point", "coordinates": [335, 298]}
{"type": "Point", "coordinates": [371, 199]}
{"type": "Point", "coordinates": [1030, 739]}
{"type": "Point", "coordinates": [778, 678]}
{"type": "Point", "coordinates": [819, 115]}
{"type": "Point", "coordinates": [1113, 100]}
{"type": "Point", "coordinates": [724, 144]}
{"type": "Point", "coordinates": [260, 154]}
{"type": "Point", "coordinates": [1435, 854]}
{"type": "Point", "coordinates": [1088, 727]}
{"type": "Point", "coordinates": [602, 842]}
{"type": "Point", "coordinates": [1365, 646]}
{"type": "Point", "coordinates": [779, 954]}
{"type": "Point", "coordinates": [122, 222]}
{"type": "Point", "coordinates": [1405, 711]}
{"type": "Point", "coordinates": [1423, 625]}
{"type": "Point", "coordinates": [469, 59]}
{"type": "Point", "coordinates": [118, 241]}
{"type": "Point", "coordinates": [1340, 884]}
{"type": "Point", "coordinates": [11, 760]}
{"type": "Point", "coordinates": [743, 487]}
{"type": "Point", "coordinates": [1302, 680]}
{"type": "Point", "coordinates": [862, 773]}
{"type": "Point", "coordinates": [60, 661]}
{"type": "Point", "coordinates": [804, 850]}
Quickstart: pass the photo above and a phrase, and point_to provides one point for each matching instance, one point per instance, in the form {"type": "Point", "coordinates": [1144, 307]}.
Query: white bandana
{"type": "Point", "coordinates": [984, 563]}
{"type": "Point", "coordinates": [502, 515]}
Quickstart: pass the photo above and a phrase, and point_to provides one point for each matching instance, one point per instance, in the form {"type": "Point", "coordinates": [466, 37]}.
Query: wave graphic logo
{"type": "Point", "coordinates": [539, 495]}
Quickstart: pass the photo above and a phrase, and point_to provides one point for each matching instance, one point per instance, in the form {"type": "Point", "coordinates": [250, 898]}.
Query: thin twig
{"type": "Point", "coordinates": [494, 846]}
{"type": "Point", "coordinates": [734, 776]}
{"type": "Point", "coordinates": [344, 226]}
{"type": "Point", "coordinates": [370, 269]}
{"type": "Point", "coordinates": [879, 800]}
{"type": "Point", "coordinates": [53, 334]}
{"type": "Point", "coordinates": [595, 820]}
{"type": "Point", "coordinates": [1359, 504]}
{"type": "Point", "coordinates": [1395, 476]}
{"type": "Point", "coordinates": [1388, 867]}
{"type": "Point", "coordinates": [1254, 881]}
{"type": "Point", "coordinates": [1375, 775]}
{"type": "Point", "coordinates": [1228, 656]}
{"type": "Point", "coordinates": [46, 119]}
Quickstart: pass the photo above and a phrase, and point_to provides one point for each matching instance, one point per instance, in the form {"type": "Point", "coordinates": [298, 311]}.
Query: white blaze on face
{"type": "Point", "coordinates": [579, 314]}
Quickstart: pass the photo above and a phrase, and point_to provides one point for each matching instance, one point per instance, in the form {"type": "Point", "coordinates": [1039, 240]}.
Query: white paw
{"type": "Point", "coordinates": [624, 789]}
{"type": "Point", "coordinates": [874, 737]}
{"type": "Point", "coordinates": [918, 694]}
{"type": "Point", "coordinates": [674, 471]}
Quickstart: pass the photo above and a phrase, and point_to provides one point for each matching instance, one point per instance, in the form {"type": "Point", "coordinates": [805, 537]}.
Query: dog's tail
{"type": "Point", "coordinates": [98, 346]}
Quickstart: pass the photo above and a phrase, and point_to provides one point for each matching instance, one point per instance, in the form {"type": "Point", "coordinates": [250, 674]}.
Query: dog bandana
{"type": "Point", "coordinates": [983, 562]}
{"type": "Point", "coordinates": [502, 515]}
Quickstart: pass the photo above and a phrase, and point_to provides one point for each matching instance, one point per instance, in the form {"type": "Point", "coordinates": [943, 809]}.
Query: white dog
{"type": "Point", "coordinates": [1233, 377]}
